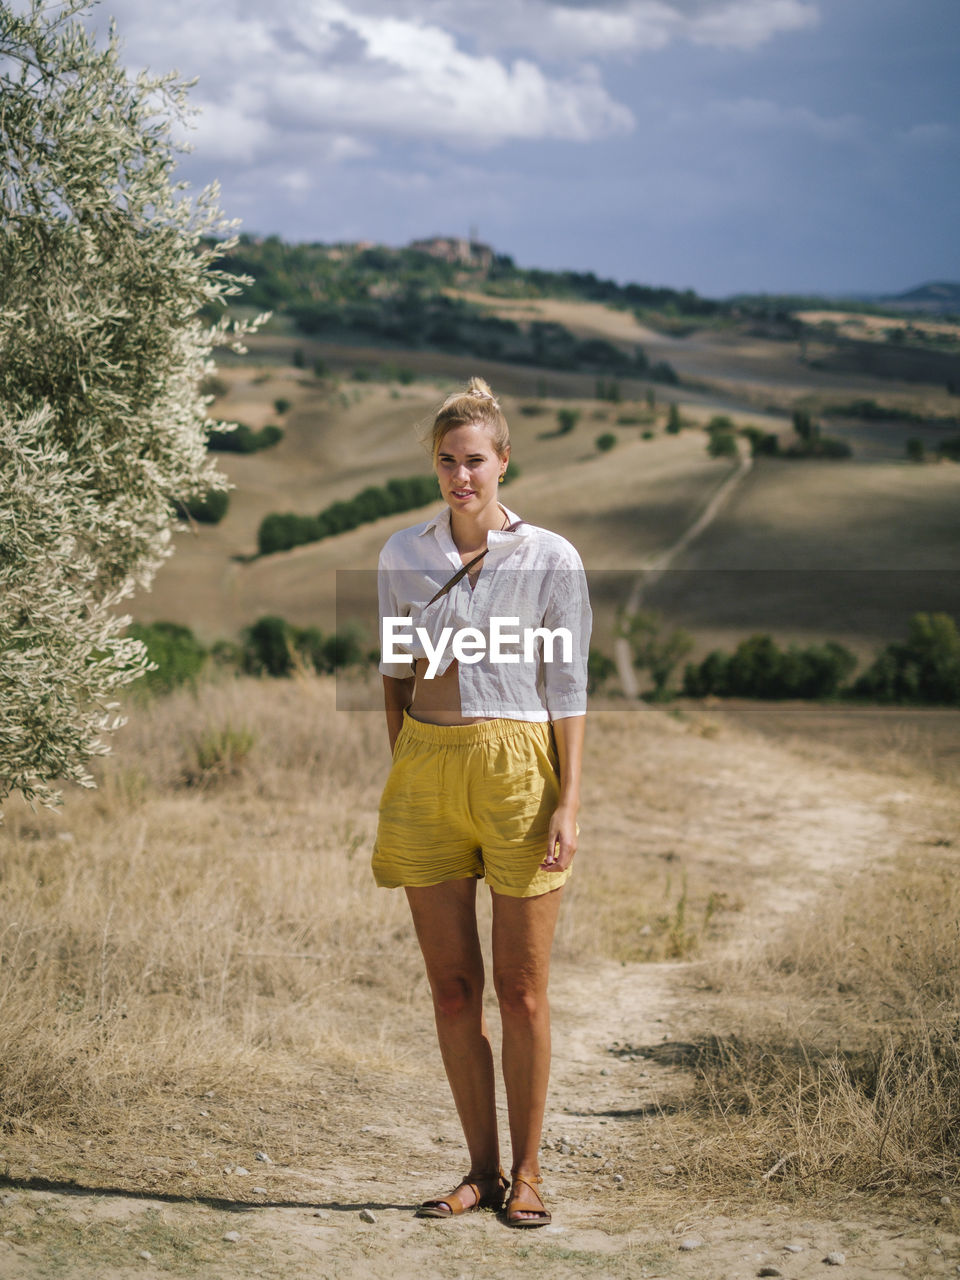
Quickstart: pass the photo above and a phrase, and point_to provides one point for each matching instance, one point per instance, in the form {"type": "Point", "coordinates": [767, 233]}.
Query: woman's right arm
{"type": "Point", "coordinates": [397, 691]}
{"type": "Point", "coordinates": [397, 696]}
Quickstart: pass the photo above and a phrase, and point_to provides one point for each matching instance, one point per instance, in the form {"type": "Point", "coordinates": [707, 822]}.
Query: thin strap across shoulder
{"type": "Point", "coordinates": [448, 586]}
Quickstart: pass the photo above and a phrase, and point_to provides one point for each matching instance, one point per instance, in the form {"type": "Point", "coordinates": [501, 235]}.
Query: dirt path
{"type": "Point", "coordinates": [398, 1138]}
{"type": "Point", "coordinates": [663, 560]}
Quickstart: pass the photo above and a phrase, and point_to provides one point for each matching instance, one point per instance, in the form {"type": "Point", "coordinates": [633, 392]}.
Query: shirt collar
{"type": "Point", "coordinates": [441, 521]}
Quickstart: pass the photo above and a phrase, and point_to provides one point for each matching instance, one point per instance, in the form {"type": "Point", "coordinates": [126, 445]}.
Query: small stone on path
{"type": "Point", "coordinates": [691, 1242]}
{"type": "Point", "coordinates": [232, 1237]}
{"type": "Point", "coordinates": [367, 1216]}
{"type": "Point", "coordinates": [769, 1271]}
{"type": "Point", "coordinates": [945, 1200]}
{"type": "Point", "coordinates": [259, 1191]}
{"type": "Point", "coordinates": [263, 1157]}
{"type": "Point", "coordinates": [793, 1248]}
{"type": "Point", "coordinates": [145, 1254]}
{"type": "Point", "coordinates": [835, 1259]}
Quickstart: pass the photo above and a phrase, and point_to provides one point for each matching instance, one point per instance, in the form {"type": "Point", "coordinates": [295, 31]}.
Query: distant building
{"type": "Point", "coordinates": [455, 249]}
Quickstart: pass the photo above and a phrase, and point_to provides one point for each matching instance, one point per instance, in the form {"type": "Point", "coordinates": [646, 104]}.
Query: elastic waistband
{"type": "Point", "coordinates": [465, 734]}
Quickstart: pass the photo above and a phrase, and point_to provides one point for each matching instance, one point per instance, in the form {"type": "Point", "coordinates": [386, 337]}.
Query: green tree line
{"type": "Point", "coordinates": [922, 669]}
{"type": "Point", "coordinates": [279, 531]}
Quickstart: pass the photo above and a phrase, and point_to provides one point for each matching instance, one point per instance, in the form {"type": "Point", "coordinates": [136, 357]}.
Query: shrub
{"type": "Point", "coordinates": [758, 668]}
{"type": "Point", "coordinates": [674, 422]}
{"type": "Point", "coordinates": [950, 448]}
{"type": "Point", "coordinates": [606, 441]}
{"type": "Point", "coordinates": [272, 646]}
{"type": "Point", "coordinates": [722, 445]}
{"type": "Point", "coordinates": [243, 439]}
{"type": "Point", "coordinates": [298, 359]}
{"type": "Point", "coordinates": [819, 447]}
{"type": "Point", "coordinates": [600, 669]}
{"type": "Point", "coordinates": [532, 410]}
{"type": "Point", "coordinates": [663, 372]}
{"type": "Point", "coordinates": [281, 405]}
{"type": "Point", "coordinates": [177, 655]}
{"type": "Point", "coordinates": [567, 419]}
{"type": "Point", "coordinates": [709, 678]}
{"type": "Point", "coordinates": [762, 443]}
{"type": "Point", "coordinates": [720, 424]}
{"type": "Point", "coordinates": [914, 450]}
{"type": "Point", "coordinates": [219, 753]}
{"type": "Point", "coordinates": [925, 668]}
{"type": "Point", "coordinates": [209, 509]}
{"type": "Point", "coordinates": [320, 368]}
{"type": "Point", "coordinates": [279, 531]}
{"type": "Point", "coordinates": [655, 650]}
{"type": "Point", "coordinates": [647, 435]}
{"type": "Point", "coordinates": [267, 647]}
{"type": "Point", "coordinates": [804, 425]}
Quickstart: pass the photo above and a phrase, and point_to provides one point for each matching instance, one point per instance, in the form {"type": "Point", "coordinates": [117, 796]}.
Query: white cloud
{"type": "Point", "coordinates": [763, 115]}
{"type": "Point", "coordinates": [554, 28]}
{"type": "Point", "coordinates": [319, 67]}
{"type": "Point", "coordinates": [746, 24]}
{"type": "Point", "coordinates": [231, 130]}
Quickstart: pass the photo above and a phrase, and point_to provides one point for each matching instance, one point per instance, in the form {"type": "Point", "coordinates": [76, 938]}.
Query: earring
{"type": "Point", "coordinates": [500, 481]}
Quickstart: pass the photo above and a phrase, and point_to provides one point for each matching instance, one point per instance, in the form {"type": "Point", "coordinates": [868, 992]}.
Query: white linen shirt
{"type": "Point", "coordinates": [530, 574]}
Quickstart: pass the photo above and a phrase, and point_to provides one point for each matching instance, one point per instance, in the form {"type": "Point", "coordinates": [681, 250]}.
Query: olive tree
{"type": "Point", "coordinates": [106, 273]}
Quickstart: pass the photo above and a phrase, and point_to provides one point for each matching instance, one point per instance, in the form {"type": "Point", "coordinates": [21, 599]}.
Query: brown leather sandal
{"type": "Point", "coordinates": [453, 1204]}
{"type": "Point", "coordinates": [523, 1202]}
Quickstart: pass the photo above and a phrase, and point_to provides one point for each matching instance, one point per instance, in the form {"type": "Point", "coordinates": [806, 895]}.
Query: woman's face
{"type": "Point", "coordinates": [469, 468]}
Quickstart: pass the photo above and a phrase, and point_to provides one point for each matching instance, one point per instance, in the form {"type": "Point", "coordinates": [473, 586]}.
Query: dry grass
{"type": "Point", "coordinates": [162, 940]}
{"type": "Point", "coordinates": [843, 1072]}
{"type": "Point", "coordinates": [194, 963]}
{"type": "Point", "coordinates": [204, 926]}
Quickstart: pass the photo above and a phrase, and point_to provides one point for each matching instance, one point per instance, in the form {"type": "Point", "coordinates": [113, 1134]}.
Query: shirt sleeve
{"type": "Point", "coordinates": [390, 606]}
{"type": "Point", "coordinates": [568, 607]}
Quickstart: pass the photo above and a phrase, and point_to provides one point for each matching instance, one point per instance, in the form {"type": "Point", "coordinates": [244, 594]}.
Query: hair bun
{"type": "Point", "coordinates": [480, 390]}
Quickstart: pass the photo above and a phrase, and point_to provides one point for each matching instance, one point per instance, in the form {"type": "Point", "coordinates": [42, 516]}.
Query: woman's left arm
{"type": "Point", "coordinates": [562, 837]}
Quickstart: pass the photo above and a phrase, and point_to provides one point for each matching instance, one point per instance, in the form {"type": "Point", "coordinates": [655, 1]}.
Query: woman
{"type": "Point", "coordinates": [487, 744]}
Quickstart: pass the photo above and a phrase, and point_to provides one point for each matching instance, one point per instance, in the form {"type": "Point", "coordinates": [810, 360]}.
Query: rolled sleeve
{"type": "Point", "coordinates": [565, 683]}
{"type": "Point", "coordinates": [391, 607]}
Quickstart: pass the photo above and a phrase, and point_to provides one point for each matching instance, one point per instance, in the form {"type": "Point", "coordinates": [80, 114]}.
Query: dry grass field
{"type": "Point", "coordinates": [196, 967]}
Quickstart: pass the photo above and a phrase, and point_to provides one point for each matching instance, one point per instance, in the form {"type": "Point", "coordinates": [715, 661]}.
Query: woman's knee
{"type": "Point", "coordinates": [521, 996]}
{"type": "Point", "coordinates": [457, 996]}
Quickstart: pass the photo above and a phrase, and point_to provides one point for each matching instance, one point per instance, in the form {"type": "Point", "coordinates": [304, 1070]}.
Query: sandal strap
{"type": "Point", "coordinates": [452, 1199]}
{"type": "Point", "coordinates": [535, 1180]}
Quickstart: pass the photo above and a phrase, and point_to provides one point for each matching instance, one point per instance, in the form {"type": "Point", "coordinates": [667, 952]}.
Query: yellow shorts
{"type": "Point", "coordinates": [470, 801]}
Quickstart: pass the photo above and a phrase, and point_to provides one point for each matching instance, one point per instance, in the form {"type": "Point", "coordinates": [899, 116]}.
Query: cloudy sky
{"type": "Point", "coordinates": [723, 145]}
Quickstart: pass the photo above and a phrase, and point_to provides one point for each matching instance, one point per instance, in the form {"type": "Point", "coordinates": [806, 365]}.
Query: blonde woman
{"type": "Point", "coordinates": [485, 624]}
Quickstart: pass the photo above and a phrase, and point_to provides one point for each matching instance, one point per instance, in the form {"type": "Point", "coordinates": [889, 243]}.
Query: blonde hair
{"type": "Point", "coordinates": [476, 404]}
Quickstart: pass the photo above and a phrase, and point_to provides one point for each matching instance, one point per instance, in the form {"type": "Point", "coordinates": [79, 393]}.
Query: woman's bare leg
{"type": "Point", "coordinates": [445, 919]}
{"type": "Point", "coordinates": [523, 931]}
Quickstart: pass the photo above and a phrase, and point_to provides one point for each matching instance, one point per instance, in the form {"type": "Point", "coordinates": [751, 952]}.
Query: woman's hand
{"type": "Point", "coordinates": [561, 839]}
{"type": "Point", "coordinates": [562, 835]}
